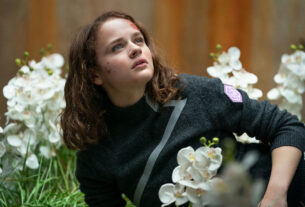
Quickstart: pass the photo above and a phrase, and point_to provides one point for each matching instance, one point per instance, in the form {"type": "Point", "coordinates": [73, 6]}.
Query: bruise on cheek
{"type": "Point", "coordinates": [133, 25]}
{"type": "Point", "coordinates": [108, 70]}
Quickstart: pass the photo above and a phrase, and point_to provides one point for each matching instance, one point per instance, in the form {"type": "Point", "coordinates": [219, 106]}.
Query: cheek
{"type": "Point", "coordinates": [111, 68]}
{"type": "Point", "coordinates": [108, 65]}
{"type": "Point", "coordinates": [118, 63]}
{"type": "Point", "coordinates": [148, 53]}
{"type": "Point", "coordinates": [107, 68]}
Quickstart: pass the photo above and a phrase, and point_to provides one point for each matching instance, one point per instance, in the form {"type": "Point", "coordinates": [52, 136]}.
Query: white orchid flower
{"type": "Point", "coordinates": [54, 136]}
{"type": "Point", "coordinates": [186, 156]}
{"type": "Point", "coordinates": [214, 156]}
{"type": "Point", "coordinates": [291, 96]}
{"type": "Point", "coordinates": [274, 94]}
{"type": "Point", "coordinates": [279, 78]}
{"type": "Point", "coordinates": [34, 101]}
{"type": "Point", "coordinates": [170, 193]}
{"type": "Point", "coordinates": [245, 138]}
{"type": "Point", "coordinates": [254, 93]}
{"type": "Point", "coordinates": [295, 63]}
{"type": "Point", "coordinates": [29, 136]}
{"type": "Point", "coordinates": [196, 167]}
{"type": "Point", "coordinates": [219, 71]}
{"type": "Point", "coordinates": [55, 60]}
{"type": "Point", "coordinates": [25, 69]}
{"type": "Point", "coordinates": [231, 58]}
{"type": "Point", "coordinates": [45, 151]}
{"type": "Point", "coordinates": [246, 77]}
{"type": "Point", "coordinates": [14, 140]}
{"type": "Point", "coordinates": [199, 196]}
{"type": "Point", "coordinates": [32, 162]}
{"type": "Point", "coordinates": [9, 91]}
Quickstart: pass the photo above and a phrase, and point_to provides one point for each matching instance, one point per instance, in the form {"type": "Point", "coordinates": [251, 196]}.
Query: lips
{"type": "Point", "coordinates": [139, 62]}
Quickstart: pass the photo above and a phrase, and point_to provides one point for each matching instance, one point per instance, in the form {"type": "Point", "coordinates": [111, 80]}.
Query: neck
{"type": "Point", "coordinates": [126, 99]}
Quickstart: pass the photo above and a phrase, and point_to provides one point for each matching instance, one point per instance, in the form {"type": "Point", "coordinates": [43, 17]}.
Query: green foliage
{"type": "Point", "coordinates": [128, 201]}
{"type": "Point", "coordinates": [52, 185]}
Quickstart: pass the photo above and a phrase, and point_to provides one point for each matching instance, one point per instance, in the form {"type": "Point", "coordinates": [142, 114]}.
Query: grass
{"type": "Point", "coordinates": [52, 185]}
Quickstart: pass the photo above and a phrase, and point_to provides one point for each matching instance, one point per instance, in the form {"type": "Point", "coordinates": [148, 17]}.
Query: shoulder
{"type": "Point", "coordinates": [199, 80]}
{"type": "Point", "coordinates": [199, 85]}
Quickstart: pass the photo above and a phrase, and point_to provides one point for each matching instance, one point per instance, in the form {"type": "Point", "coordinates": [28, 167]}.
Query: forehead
{"type": "Point", "coordinates": [116, 28]}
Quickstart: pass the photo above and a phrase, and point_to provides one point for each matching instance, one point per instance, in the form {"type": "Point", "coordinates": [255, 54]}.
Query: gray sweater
{"type": "Point", "coordinates": [140, 153]}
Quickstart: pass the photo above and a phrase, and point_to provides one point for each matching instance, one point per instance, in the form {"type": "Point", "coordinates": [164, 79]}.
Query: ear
{"type": "Point", "coordinates": [96, 78]}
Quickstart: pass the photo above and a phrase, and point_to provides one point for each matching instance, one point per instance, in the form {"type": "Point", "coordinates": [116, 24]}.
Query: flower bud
{"type": "Point", "coordinates": [26, 54]}
{"type": "Point", "coordinates": [212, 55]}
{"type": "Point", "coordinates": [20, 72]}
{"type": "Point", "coordinates": [218, 47]}
{"type": "Point", "coordinates": [203, 140]}
{"type": "Point", "coordinates": [293, 47]}
{"type": "Point", "coordinates": [18, 62]}
{"type": "Point", "coordinates": [215, 140]}
{"type": "Point", "coordinates": [49, 47]}
{"type": "Point", "coordinates": [50, 72]}
{"type": "Point", "coordinates": [42, 51]}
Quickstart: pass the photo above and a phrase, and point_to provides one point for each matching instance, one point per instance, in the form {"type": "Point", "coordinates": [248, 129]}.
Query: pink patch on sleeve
{"type": "Point", "coordinates": [233, 94]}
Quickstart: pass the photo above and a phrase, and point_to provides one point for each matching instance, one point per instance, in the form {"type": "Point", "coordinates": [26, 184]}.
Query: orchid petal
{"type": "Point", "coordinates": [9, 91]}
{"type": "Point", "coordinates": [14, 140]}
{"type": "Point", "coordinates": [234, 53]}
{"type": "Point", "coordinates": [185, 156]}
{"type": "Point", "coordinates": [166, 194]}
{"type": "Point", "coordinates": [274, 94]}
{"type": "Point", "coordinates": [32, 162]}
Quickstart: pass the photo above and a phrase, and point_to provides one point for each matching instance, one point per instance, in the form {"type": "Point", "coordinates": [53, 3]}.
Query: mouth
{"type": "Point", "coordinates": [139, 63]}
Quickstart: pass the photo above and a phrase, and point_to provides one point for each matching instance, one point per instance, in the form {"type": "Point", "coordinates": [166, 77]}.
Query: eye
{"type": "Point", "coordinates": [116, 47]}
{"type": "Point", "coordinates": [139, 40]}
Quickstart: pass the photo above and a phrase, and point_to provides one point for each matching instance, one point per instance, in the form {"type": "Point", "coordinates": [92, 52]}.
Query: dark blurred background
{"type": "Point", "coordinates": [185, 31]}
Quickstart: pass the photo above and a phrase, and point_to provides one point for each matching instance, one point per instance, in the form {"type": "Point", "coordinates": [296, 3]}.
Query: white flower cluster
{"type": "Point", "coordinates": [34, 101]}
{"type": "Point", "coordinates": [193, 176]}
{"type": "Point", "coordinates": [291, 83]}
{"type": "Point", "coordinates": [228, 69]}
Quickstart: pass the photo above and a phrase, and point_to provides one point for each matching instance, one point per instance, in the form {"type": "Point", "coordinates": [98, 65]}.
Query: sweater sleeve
{"type": "Point", "coordinates": [100, 189]}
{"type": "Point", "coordinates": [260, 119]}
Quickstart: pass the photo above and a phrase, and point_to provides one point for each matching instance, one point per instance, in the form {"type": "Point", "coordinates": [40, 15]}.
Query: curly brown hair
{"type": "Point", "coordinates": [83, 120]}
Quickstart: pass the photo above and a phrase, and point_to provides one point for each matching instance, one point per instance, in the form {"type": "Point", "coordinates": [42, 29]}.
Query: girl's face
{"type": "Point", "coordinates": [125, 61]}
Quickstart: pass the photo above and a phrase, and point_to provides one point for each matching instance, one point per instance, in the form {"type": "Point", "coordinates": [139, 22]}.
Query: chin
{"type": "Point", "coordinates": [148, 73]}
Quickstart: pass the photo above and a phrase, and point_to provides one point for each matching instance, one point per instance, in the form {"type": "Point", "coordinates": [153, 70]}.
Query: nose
{"type": "Point", "coordinates": [135, 51]}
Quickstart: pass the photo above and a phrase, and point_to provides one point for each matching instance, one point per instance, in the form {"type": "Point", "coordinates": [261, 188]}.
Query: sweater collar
{"type": "Point", "coordinates": [137, 111]}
